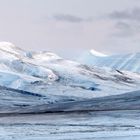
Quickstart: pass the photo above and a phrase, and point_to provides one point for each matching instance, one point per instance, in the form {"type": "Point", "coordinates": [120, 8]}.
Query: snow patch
{"type": "Point", "coordinates": [99, 54]}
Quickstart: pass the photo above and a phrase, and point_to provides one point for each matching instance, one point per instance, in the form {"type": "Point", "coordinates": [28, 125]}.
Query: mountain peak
{"type": "Point", "coordinates": [9, 47]}
{"type": "Point", "coordinates": [46, 56]}
{"type": "Point", "coordinates": [99, 54]}
{"type": "Point", "coordinates": [6, 45]}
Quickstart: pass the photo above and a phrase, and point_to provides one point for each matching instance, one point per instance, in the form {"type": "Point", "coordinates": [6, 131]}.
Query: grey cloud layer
{"type": "Point", "coordinates": [70, 18]}
{"type": "Point", "coordinates": [127, 22]}
{"type": "Point", "coordinates": [127, 14]}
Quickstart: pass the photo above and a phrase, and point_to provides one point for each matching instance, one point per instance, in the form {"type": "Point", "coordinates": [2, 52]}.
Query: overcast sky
{"type": "Point", "coordinates": [72, 27]}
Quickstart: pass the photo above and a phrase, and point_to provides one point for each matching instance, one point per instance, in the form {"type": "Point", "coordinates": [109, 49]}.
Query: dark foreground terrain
{"type": "Point", "coordinates": [98, 125]}
{"type": "Point", "coordinates": [105, 118]}
{"type": "Point", "coordinates": [21, 102]}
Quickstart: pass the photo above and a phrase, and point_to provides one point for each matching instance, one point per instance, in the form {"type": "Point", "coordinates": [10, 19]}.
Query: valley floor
{"type": "Point", "coordinates": [97, 125]}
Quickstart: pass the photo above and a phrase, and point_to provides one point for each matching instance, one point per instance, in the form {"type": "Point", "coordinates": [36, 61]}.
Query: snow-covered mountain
{"type": "Point", "coordinates": [49, 75]}
{"type": "Point", "coordinates": [17, 101]}
{"type": "Point", "coordinates": [127, 62]}
{"type": "Point", "coordinates": [32, 81]}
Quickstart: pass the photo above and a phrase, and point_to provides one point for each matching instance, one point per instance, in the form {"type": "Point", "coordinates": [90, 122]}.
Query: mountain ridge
{"type": "Point", "coordinates": [126, 62]}
{"type": "Point", "coordinates": [56, 76]}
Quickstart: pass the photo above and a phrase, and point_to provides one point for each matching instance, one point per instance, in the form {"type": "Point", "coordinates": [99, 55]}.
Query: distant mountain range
{"type": "Point", "coordinates": [126, 62]}
{"type": "Point", "coordinates": [48, 74]}
{"type": "Point", "coordinates": [36, 78]}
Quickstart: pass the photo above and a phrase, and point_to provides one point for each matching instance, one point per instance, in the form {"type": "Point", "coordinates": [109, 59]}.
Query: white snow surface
{"type": "Point", "coordinates": [93, 52]}
{"type": "Point", "coordinates": [48, 74]}
{"type": "Point", "coordinates": [56, 84]}
{"type": "Point", "coordinates": [127, 62]}
{"type": "Point", "coordinates": [32, 82]}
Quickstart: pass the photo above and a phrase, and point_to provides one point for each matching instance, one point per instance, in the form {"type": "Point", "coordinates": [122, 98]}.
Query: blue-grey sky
{"type": "Point", "coordinates": [71, 27]}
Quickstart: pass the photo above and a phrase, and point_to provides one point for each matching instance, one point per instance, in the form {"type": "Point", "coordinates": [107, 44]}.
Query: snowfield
{"type": "Point", "coordinates": [48, 74]}
{"type": "Point", "coordinates": [127, 62]}
{"type": "Point", "coordinates": [44, 96]}
{"type": "Point", "coordinates": [20, 102]}
{"type": "Point", "coordinates": [116, 125]}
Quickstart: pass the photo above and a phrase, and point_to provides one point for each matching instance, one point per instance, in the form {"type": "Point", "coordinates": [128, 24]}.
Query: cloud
{"type": "Point", "coordinates": [70, 18]}
{"type": "Point", "coordinates": [125, 35]}
{"type": "Point", "coordinates": [126, 22]}
{"type": "Point", "coordinates": [133, 14]}
{"type": "Point", "coordinates": [124, 29]}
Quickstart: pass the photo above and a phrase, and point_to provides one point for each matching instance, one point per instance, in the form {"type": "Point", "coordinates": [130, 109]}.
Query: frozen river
{"type": "Point", "coordinates": [100, 125]}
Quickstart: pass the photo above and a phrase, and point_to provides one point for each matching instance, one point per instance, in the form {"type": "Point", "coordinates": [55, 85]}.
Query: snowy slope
{"type": "Point", "coordinates": [48, 74]}
{"type": "Point", "coordinates": [18, 101]}
{"type": "Point", "coordinates": [38, 83]}
{"type": "Point", "coordinates": [127, 62]}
